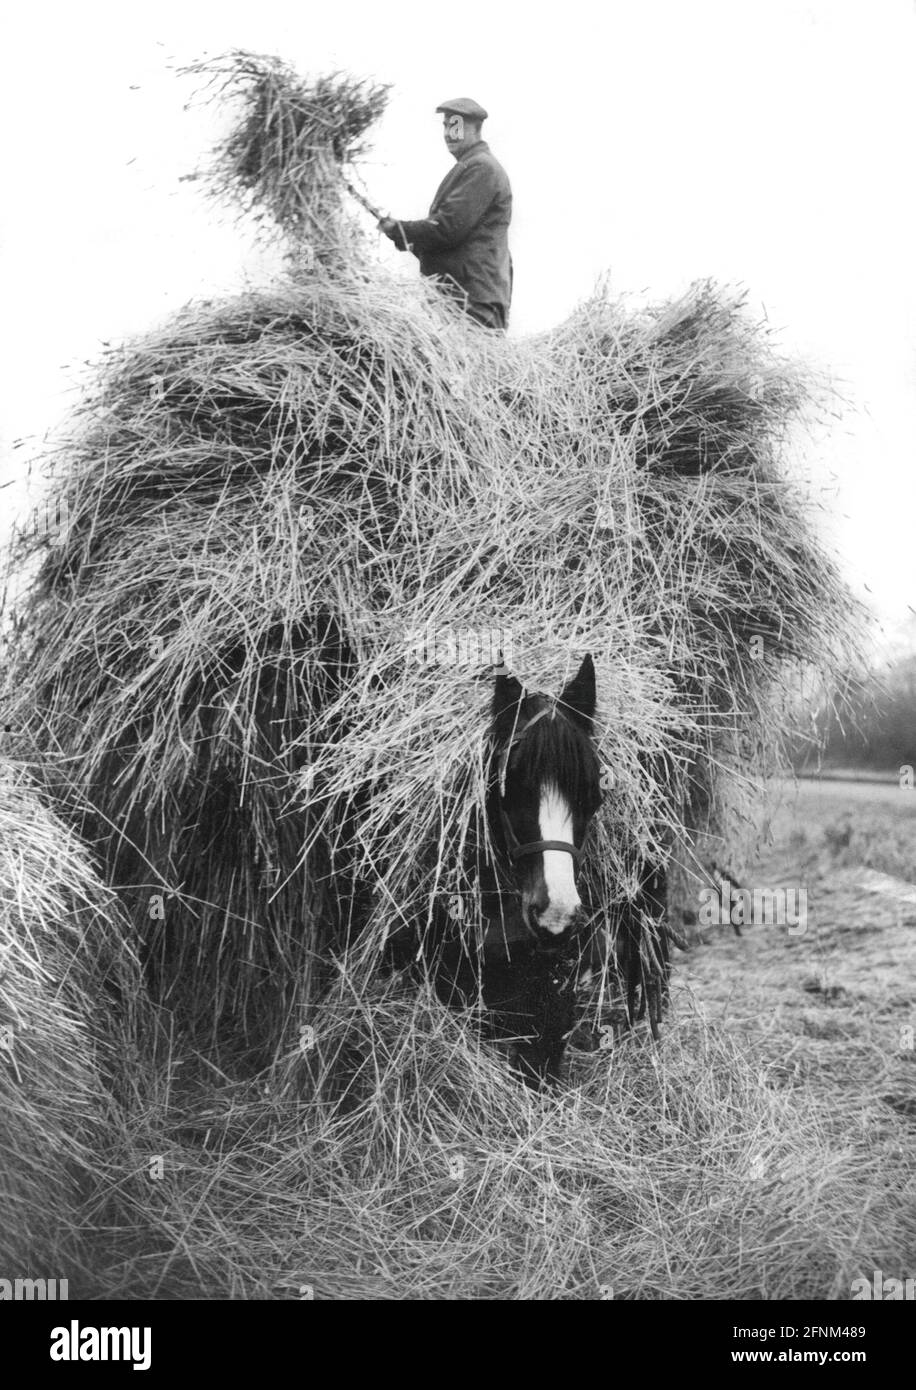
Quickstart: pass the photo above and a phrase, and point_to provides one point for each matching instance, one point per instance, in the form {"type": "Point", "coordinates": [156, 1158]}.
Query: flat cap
{"type": "Point", "coordinates": [464, 106]}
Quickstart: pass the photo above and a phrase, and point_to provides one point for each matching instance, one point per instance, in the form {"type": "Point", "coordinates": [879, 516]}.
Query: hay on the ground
{"type": "Point", "coordinates": [430, 1173]}
{"type": "Point", "coordinates": [66, 968]}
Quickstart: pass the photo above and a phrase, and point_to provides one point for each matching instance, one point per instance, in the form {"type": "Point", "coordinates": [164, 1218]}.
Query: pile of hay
{"type": "Point", "coordinates": [303, 523]}
{"type": "Point", "coordinates": [282, 510]}
{"type": "Point", "coordinates": [254, 671]}
{"type": "Point", "coordinates": [677, 1173]}
{"type": "Point", "coordinates": [66, 968]}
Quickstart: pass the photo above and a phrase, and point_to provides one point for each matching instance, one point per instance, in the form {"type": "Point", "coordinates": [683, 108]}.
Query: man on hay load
{"type": "Point", "coordinates": [464, 240]}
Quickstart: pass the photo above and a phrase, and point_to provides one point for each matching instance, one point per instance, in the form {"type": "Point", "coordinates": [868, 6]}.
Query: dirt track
{"type": "Point", "coordinates": [833, 1008]}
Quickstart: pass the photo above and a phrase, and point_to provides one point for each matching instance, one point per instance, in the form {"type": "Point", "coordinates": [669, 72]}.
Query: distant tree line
{"type": "Point", "coordinates": [877, 727]}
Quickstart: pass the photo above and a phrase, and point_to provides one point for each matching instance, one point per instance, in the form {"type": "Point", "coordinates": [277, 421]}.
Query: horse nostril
{"type": "Point", "coordinates": [550, 947]}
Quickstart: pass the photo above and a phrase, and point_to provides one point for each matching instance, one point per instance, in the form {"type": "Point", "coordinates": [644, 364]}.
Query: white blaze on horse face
{"type": "Point", "coordinates": [556, 823]}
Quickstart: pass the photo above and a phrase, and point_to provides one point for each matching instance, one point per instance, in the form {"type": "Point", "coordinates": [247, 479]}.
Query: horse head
{"type": "Point", "coordinates": [544, 788]}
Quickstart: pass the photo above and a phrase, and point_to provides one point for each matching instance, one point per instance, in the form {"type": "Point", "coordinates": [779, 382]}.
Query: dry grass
{"type": "Point", "coordinates": [392, 1156]}
{"type": "Point", "coordinates": [827, 1017]}
{"type": "Point", "coordinates": [677, 1173]}
{"type": "Point", "coordinates": [270, 498]}
{"type": "Point", "coordinates": [882, 842]}
{"type": "Point", "coordinates": [65, 968]}
{"type": "Point", "coordinates": [291, 147]}
{"type": "Point", "coordinates": [216, 676]}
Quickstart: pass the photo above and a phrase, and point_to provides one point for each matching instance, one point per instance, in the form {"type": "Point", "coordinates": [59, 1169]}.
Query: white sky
{"type": "Point", "coordinates": [766, 142]}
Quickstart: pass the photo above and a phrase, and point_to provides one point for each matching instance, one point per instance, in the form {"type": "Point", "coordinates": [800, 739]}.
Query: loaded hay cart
{"type": "Point", "coordinates": [243, 672]}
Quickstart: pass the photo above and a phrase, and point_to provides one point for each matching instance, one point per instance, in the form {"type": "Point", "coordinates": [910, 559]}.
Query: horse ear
{"type": "Point", "coordinates": [578, 696]}
{"type": "Point", "coordinates": [508, 694]}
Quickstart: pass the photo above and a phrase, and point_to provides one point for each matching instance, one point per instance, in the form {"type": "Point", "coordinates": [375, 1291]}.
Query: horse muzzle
{"type": "Point", "coordinates": [551, 928]}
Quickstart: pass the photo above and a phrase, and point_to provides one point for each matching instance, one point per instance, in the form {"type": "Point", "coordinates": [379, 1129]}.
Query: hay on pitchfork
{"type": "Point", "coordinates": [294, 144]}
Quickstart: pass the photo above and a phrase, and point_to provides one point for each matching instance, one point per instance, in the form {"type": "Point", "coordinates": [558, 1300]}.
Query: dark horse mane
{"type": "Point", "coordinates": [558, 751]}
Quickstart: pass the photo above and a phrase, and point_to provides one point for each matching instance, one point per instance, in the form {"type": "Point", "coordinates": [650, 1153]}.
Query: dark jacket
{"type": "Point", "coordinates": [465, 236]}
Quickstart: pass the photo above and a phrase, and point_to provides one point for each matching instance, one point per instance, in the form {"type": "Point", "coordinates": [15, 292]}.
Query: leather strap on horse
{"type": "Point", "coordinates": [538, 847]}
{"type": "Point", "coordinates": [517, 851]}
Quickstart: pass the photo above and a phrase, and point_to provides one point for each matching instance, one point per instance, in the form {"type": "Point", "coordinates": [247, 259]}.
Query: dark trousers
{"type": "Point", "coordinates": [488, 315]}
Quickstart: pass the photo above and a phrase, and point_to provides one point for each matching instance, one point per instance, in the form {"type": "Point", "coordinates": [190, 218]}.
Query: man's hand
{"type": "Point", "coordinates": [392, 229]}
